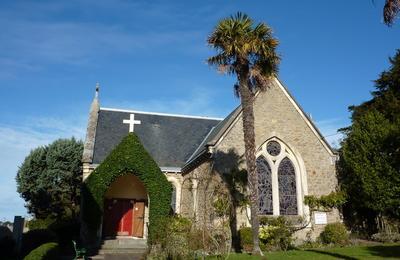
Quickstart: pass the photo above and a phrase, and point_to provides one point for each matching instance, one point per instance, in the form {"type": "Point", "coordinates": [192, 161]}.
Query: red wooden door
{"type": "Point", "coordinates": [117, 217]}
{"type": "Point", "coordinates": [125, 223]}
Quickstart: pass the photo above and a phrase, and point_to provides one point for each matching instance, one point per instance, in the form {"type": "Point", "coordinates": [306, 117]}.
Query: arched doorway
{"type": "Point", "coordinates": [125, 204]}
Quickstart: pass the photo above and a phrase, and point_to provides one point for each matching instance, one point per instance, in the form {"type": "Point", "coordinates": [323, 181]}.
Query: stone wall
{"type": "Point", "coordinates": [192, 198]}
{"type": "Point", "coordinates": [276, 115]}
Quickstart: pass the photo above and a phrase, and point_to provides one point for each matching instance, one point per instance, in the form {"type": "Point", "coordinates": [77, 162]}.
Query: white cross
{"type": "Point", "coordinates": [132, 122]}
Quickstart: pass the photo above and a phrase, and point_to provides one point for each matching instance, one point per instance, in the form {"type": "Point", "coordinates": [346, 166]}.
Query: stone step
{"type": "Point", "coordinates": [124, 243]}
{"type": "Point", "coordinates": [116, 251]}
{"type": "Point", "coordinates": [119, 257]}
{"type": "Point", "coordinates": [123, 247]}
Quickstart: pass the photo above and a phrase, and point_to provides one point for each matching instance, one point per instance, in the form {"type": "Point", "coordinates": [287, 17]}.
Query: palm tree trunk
{"type": "Point", "coordinates": [247, 98]}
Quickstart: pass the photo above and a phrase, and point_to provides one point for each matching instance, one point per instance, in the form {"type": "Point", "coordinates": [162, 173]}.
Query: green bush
{"type": "Point", "coordinates": [182, 240]}
{"type": "Point", "coordinates": [35, 238]}
{"type": "Point", "coordinates": [335, 233]}
{"type": "Point", "coordinates": [66, 229]}
{"type": "Point", "coordinates": [48, 251]}
{"type": "Point", "coordinates": [128, 157]}
{"type": "Point", "coordinates": [246, 239]}
{"type": "Point", "coordinates": [276, 233]}
{"type": "Point", "coordinates": [386, 237]}
{"type": "Point", "coordinates": [173, 242]}
{"type": "Point", "coordinates": [40, 223]}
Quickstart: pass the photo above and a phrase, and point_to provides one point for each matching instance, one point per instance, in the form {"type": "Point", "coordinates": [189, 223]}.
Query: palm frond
{"type": "Point", "coordinates": [390, 11]}
{"type": "Point", "coordinates": [243, 46]}
{"type": "Point", "coordinates": [222, 62]}
{"type": "Point", "coordinates": [219, 59]}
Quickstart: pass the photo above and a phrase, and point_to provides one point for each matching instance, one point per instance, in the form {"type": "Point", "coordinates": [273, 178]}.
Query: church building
{"type": "Point", "coordinates": [293, 160]}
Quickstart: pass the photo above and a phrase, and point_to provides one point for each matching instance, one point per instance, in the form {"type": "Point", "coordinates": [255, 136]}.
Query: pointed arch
{"type": "Point", "coordinates": [282, 158]}
{"type": "Point", "coordinates": [128, 157]}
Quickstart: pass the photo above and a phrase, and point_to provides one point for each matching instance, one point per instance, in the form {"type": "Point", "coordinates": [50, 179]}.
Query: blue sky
{"type": "Point", "coordinates": [150, 55]}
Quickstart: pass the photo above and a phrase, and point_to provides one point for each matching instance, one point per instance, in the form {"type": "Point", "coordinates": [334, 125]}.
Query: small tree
{"type": "Point", "coordinates": [49, 179]}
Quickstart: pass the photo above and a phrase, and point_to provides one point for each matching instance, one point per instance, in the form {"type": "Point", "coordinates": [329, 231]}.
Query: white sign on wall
{"type": "Point", "coordinates": [320, 218]}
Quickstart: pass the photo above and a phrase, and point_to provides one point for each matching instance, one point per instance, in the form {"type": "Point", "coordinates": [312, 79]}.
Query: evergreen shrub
{"type": "Point", "coordinates": [246, 239]}
{"type": "Point", "coordinates": [386, 237]}
{"type": "Point", "coordinates": [177, 240]}
{"type": "Point", "coordinates": [40, 223]}
{"type": "Point", "coordinates": [335, 234]}
{"type": "Point", "coordinates": [35, 238]}
{"type": "Point", "coordinates": [48, 251]}
{"type": "Point", "coordinates": [66, 229]}
{"type": "Point", "coordinates": [129, 157]}
{"type": "Point", "coordinates": [276, 233]}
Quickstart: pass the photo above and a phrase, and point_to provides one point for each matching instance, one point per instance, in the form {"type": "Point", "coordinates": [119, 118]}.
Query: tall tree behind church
{"type": "Point", "coordinates": [249, 52]}
{"type": "Point", "coordinates": [370, 155]}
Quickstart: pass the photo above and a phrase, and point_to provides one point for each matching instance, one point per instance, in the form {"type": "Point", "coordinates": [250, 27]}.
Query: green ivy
{"type": "Point", "coordinates": [129, 157]}
{"type": "Point", "coordinates": [325, 202]}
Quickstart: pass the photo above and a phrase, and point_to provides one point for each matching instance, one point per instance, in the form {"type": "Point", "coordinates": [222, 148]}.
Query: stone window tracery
{"type": "Point", "coordinates": [278, 187]}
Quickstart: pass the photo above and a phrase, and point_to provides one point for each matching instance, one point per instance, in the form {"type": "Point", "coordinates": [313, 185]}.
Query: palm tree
{"type": "Point", "coordinates": [247, 51]}
{"type": "Point", "coordinates": [390, 11]}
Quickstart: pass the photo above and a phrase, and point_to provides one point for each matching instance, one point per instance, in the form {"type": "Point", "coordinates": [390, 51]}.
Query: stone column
{"type": "Point", "coordinates": [195, 184]}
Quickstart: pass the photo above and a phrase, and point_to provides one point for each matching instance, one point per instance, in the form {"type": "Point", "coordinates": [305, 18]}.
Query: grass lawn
{"type": "Point", "coordinates": [387, 251]}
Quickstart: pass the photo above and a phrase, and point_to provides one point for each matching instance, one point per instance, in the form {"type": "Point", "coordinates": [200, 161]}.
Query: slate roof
{"type": "Point", "coordinates": [170, 139]}
{"type": "Point", "coordinates": [214, 135]}
{"type": "Point", "coordinates": [174, 141]}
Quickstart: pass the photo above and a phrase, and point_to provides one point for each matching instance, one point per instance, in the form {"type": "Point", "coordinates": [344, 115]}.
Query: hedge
{"type": "Point", "coordinates": [48, 251]}
{"type": "Point", "coordinates": [128, 157]}
{"type": "Point", "coordinates": [35, 238]}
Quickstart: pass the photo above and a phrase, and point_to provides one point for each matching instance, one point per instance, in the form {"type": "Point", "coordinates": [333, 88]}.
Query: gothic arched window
{"type": "Point", "coordinates": [279, 179]}
{"type": "Point", "coordinates": [264, 186]}
{"type": "Point", "coordinates": [287, 188]}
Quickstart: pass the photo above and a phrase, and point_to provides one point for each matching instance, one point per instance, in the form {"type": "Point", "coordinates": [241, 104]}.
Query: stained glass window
{"type": "Point", "coordinates": [273, 148]}
{"type": "Point", "coordinates": [264, 186]}
{"type": "Point", "coordinates": [287, 188]}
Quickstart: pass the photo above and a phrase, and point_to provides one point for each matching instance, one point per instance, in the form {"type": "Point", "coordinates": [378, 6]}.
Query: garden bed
{"type": "Point", "coordinates": [387, 251]}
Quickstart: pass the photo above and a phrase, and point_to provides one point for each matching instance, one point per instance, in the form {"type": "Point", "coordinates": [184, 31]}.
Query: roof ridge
{"type": "Point", "coordinates": [160, 114]}
{"type": "Point", "coordinates": [201, 144]}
